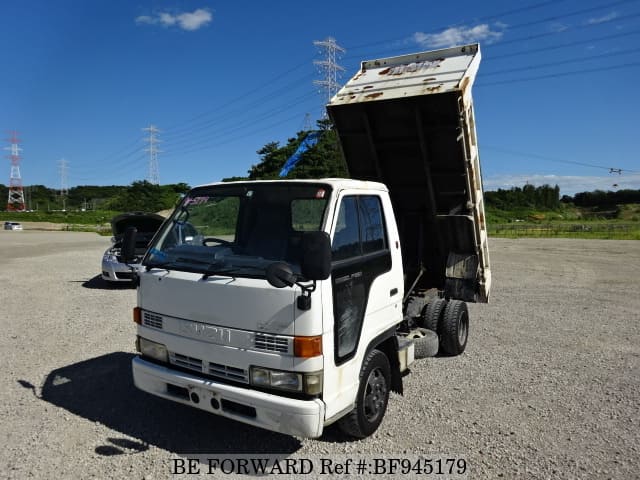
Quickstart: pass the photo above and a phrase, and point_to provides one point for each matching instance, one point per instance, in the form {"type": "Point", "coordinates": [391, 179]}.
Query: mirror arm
{"type": "Point", "coordinates": [304, 300]}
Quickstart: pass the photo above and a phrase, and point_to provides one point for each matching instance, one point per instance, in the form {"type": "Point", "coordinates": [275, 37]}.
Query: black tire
{"type": "Point", "coordinates": [432, 313]}
{"type": "Point", "coordinates": [425, 343]}
{"type": "Point", "coordinates": [372, 398]}
{"type": "Point", "coordinates": [454, 328]}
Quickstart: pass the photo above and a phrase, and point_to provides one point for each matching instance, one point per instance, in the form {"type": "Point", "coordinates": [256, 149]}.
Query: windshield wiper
{"type": "Point", "coordinates": [212, 268]}
{"type": "Point", "coordinates": [226, 272]}
{"type": "Point", "coordinates": [178, 261]}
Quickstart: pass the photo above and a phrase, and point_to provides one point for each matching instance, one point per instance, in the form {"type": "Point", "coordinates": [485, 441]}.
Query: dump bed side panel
{"type": "Point", "coordinates": [408, 122]}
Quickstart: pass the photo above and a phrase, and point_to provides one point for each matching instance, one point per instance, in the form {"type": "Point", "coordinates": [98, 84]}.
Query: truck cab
{"type": "Point", "coordinates": [231, 321]}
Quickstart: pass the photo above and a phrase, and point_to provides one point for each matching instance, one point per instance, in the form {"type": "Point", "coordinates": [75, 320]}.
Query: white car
{"type": "Point", "coordinates": [12, 226]}
{"type": "Point", "coordinates": [113, 270]}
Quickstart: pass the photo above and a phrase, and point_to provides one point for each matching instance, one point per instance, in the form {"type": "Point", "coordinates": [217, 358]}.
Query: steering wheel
{"type": "Point", "coordinates": [214, 239]}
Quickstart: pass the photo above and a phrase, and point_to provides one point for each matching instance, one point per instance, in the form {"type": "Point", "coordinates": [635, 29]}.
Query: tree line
{"type": "Point", "coordinates": [544, 197]}
{"type": "Point", "coordinates": [600, 198]}
{"type": "Point", "coordinates": [139, 196]}
{"type": "Point", "coordinates": [324, 160]}
{"type": "Point", "coordinates": [548, 198]}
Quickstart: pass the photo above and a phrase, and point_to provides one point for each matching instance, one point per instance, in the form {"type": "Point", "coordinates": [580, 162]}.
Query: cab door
{"type": "Point", "coordinates": [360, 254]}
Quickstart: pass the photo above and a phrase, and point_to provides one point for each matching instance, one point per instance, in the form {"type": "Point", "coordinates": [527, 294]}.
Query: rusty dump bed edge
{"type": "Point", "coordinates": [408, 122]}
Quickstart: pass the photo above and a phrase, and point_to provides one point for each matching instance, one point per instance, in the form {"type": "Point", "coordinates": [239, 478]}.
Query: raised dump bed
{"type": "Point", "coordinates": [408, 122]}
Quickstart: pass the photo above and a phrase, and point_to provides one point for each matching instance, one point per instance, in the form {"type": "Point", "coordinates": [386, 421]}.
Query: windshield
{"type": "Point", "coordinates": [239, 229]}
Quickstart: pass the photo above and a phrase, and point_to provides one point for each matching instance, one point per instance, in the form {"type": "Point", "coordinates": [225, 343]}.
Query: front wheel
{"type": "Point", "coordinates": [372, 399]}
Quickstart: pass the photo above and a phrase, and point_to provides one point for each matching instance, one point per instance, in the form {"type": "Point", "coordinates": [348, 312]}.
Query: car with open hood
{"type": "Point", "coordinates": [147, 224]}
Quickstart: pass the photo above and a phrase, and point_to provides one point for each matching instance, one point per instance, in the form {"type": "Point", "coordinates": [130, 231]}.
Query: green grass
{"type": "Point", "coordinates": [566, 222]}
{"type": "Point", "coordinates": [620, 222]}
{"type": "Point", "coordinates": [87, 218]}
{"type": "Point", "coordinates": [93, 221]}
{"type": "Point", "coordinates": [594, 230]}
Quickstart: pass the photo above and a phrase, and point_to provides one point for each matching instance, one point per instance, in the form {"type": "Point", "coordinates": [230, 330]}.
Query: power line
{"type": "Point", "coordinates": [556, 160]}
{"type": "Point", "coordinates": [480, 19]}
{"type": "Point", "coordinates": [561, 62]}
{"type": "Point", "coordinates": [561, 46]}
{"type": "Point", "coordinates": [185, 134]}
{"type": "Point", "coordinates": [203, 122]}
{"type": "Point", "coordinates": [572, 14]}
{"type": "Point", "coordinates": [565, 30]}
{"type": "Point", "coordinates": [244, 95]}
{"type": "Point", "coordinates": [224, 116]}
{"type": "Point", "coordinates": [254, 118]}
{"type": "Point", "coordinates": [240, 137]}
{"type": "Point", "coordinates": [511, 27]}
{"type": "Point", "coordinates": [562, 74]}
{"type": "Point", "coordinates": [206, 143]}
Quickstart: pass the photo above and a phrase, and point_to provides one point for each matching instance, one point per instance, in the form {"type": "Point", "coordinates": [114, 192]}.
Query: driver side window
{"type": "Point", "coordinates": [346, 239]}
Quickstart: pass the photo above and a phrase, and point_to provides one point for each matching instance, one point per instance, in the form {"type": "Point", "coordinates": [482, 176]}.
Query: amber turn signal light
{"type": "Point", "coordinates": [307, 347]}
{"type": "Point", "coordinates": [137, 315]}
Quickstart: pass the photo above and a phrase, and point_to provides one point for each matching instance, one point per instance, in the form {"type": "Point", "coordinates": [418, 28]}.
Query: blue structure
{"type": "Point", "coordinates": [309, 141]}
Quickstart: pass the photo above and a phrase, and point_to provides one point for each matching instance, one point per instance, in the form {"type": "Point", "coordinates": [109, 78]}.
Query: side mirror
{"type": "Point", "coordinates": [128, 251]}
{"type": "Point", "coordinates": [280, 275]}
{"type": "Point", "coordinates": [316, 256]}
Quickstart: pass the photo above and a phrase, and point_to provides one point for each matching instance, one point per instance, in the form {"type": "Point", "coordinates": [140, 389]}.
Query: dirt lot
{"type": "Point", "coordinates": [549, 386]}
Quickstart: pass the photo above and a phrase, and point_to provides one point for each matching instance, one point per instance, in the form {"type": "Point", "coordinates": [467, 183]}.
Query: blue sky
{"type": "Point", "coordinates": [555, 98]}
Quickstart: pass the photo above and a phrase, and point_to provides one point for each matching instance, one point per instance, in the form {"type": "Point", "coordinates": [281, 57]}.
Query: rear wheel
{"type": "Point", "coordinates": [454, 328]}
{"type": "Point", "coordinates": [432, 313]}
{"type": "Point", "coordinates": [372, 398]}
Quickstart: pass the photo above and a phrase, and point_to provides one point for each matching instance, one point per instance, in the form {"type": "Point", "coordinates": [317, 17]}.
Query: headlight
{"type": "Point", "coordinates": [310, 383]}
{"type": "Point", "coordinates": [154, 350]}
{"type": "Point", "coordinates": [110, 257]}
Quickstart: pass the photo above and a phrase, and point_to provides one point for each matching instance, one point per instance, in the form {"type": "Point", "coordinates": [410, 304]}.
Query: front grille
{"type": "Point", "coordinates": [231, 373]}
{"type": "Point", "coordinates": [271, 343]}
{"type": "Point", "coordinates": [214, 369]}
{"type": "Point", "coordinates": [152, 320]}
{"type": "Point", "coordinates": [186, 362]}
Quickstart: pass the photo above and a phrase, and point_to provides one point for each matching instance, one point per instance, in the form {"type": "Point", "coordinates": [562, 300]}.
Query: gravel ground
{"type": "Point", "coordinates": [548, 387]}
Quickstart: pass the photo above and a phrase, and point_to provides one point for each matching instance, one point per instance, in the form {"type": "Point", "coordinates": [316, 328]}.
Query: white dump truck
{"type": "Point", "coordinates": [293, 304]}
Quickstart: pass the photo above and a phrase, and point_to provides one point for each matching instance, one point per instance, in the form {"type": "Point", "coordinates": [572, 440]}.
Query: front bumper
{"type": "Point", "coordinates": [303, 418]}
{"type": "Point", "coordinates": [118, 272]}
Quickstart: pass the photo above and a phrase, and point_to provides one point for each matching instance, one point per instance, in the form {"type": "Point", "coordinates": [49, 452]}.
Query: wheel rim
{"type": "Point", "coordinates": [463, 329]}
{"type": "Point", "coordinates": [375, 395]}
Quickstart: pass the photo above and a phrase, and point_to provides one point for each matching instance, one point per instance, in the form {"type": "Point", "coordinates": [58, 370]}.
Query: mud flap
{"type": "Point", "coordinates": [461, 277]}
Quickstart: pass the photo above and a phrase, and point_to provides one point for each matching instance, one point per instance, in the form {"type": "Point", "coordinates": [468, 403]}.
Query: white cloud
{"type": "Point", "coordinates": [558, 27]}
{"type": "Point", "coordinates": [569, 184]}
{"type": "Point", "coordinates": [189, 21]}
{"type": "Point", "coordinates": [144, 19]}
{"type": "Point", "coordinates": [603, 19]}
{"type": "Point", "coordinates": [458, 36]}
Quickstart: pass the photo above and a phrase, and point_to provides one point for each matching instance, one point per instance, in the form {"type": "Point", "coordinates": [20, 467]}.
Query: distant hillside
{"type": "Point", "coordinates": [139, 196]}
{"type": "Point", "coordinates": [543, 203]}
